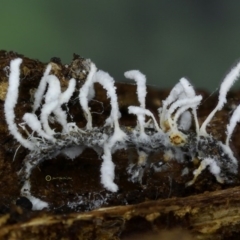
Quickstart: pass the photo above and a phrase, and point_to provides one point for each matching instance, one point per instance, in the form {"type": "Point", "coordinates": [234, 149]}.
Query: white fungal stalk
{"type": "Point", "coordinates": [41, 88]}
{"type": "Point", "coordinates": [190, 93]}
{"type": "Point", "coordinates": [142, 112]}
{"type": "Point", "coordinates": [193, 104]}
{"type": "Point", "coordinates": [84, 95]}
{"type": "Point", "coordinates": [228, 81]}
{"type": "Point", "coordinates": [60, 115]}
{"type": "Point", "coordinates": [140, 79]}
{"type": "Point", "coordinates": [178, 104]}
{"type": "Point", "coordinates": [213, 167]}
{"type": "Point", "coordinates": [107, 168]}
{"type": "Point", "coordinates": [51, 102]}
{"type": "Point", "coordinates": [108, 83]}
{"type": "Point", "coordinates": [173, 96]}
{"type": "Point", "coordinates": [67, 94]}
{"type": "Point", "coordinates": [233, 122]}
{"type": "Point", "coordinates": [37, 204]}
{"type": "Point", "coordinates": [140, 119]}
{"type": "Point", "coordinates": [33, 122]}
{"type": "Point", "coordinates": [180, 97]}
{"type": "Point", "coordinates": [11, 101]}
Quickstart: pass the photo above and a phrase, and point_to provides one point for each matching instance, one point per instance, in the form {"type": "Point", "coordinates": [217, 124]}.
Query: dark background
{"type": "Point", "coordinates": [165, 39]}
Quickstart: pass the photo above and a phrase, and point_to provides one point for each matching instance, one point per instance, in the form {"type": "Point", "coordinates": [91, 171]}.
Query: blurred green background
{"type": "Point", "coordinates": [165, 39]}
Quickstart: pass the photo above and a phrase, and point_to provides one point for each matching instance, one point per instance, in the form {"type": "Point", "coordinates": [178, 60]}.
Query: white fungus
{"type": "Point", "coordinates": [173, 96]}
{"type": "Point", "coordinates": [67, 94]}
{"type": "Point", "coordinates": [140, 112]}
{"type": "Point", "coordinates": [188, 88]}
{"type": "Point", "coordinates": [141, 85]}
{"type": "Point", "coordinates": [190, 93]}
{"type": "Point", "coordinates": [45, 113]}
{"type": "Point", "coordinates": [53, 100]}
{"type": "Point", "coordinates": [107, 167]}
{"type": "Point", "coordinates": [107, 170]}
{"type": "Point", "coordinates": [86, 93]}
{"type": "Point", "coordinates": [185, 121]}
{"type": "Point", "coordinates": [233, 122]}
{"type": "Point", "coordinates": [33, 122]}
{"type": "Point", "coordinates": [11, 101]}
{"type": "Point", "coordinates": [180, 97]}
{"type": "Point", "coordinates": [108, 83]}
{"type": "Point", "coordinates": [41, 88]}
{"type": "Point", "coordinates": [192, 104]}
{"type": "Point", "coordinates": [213, 168]}
{"type": "Point", "coordinates": [171, 137]}
{"type": "Point", "coordinates": [228, 81]}
{"type": "Point", "coordinates": [37, 204]}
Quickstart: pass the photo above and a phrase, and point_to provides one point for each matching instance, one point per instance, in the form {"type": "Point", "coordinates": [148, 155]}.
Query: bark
{"type": "Point", "coordinates": [161, 203]}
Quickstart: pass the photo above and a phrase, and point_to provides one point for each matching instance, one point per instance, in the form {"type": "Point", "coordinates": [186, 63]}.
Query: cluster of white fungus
{"type": "Point", "coordinates": [171, 133]}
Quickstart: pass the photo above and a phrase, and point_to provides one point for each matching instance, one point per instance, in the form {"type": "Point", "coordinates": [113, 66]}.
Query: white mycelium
{"type": "Point", "coordinates": [85, 95]}
{"type": "Point", "coordinates": [233, 121]}
{"type": "Point", "coordinates": [141, 85]}
{"type": "Point", "coordinates": [41, 88]}
{"type": "Point", "coordinates": [172, 135]}
{"type": "Point", "coordinates": [228, 81]}
{"type": "Point", "coordinates": [11, 101]}
{"type": "Point", "coordinates": [107, 168]}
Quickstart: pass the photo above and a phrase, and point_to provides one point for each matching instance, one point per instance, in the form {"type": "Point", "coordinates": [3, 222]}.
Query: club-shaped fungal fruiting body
{"type": "Point", "coordinates": [172, 134]}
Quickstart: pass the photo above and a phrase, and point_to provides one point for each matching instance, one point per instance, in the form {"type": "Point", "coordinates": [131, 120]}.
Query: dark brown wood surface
{"type": "Point", "coordinates": [206, 210]}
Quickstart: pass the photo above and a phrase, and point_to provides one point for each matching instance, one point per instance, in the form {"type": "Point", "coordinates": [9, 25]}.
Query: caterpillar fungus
{"type": "Point", "coordinates": [176, 132]}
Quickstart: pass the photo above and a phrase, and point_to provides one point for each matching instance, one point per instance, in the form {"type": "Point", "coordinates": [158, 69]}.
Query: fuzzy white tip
{"type": "Point", "coordinates": [141, 85]}
{"type": "Point", "coordinates": [228, 81]}
{"type": "Point", "coordinates": [233, 122]}
{"type": "Point", "coordinates": [188, 88]}
{"type": "Point", "coordinates": [107, 171]}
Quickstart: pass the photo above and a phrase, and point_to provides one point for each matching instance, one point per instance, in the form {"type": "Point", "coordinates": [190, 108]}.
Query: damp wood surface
{"type": "Point", "coordinates": [80, 208]}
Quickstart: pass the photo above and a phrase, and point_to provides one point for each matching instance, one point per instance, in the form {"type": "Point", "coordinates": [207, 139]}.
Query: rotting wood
{"type": "Point", "coordinates": [209, 215]}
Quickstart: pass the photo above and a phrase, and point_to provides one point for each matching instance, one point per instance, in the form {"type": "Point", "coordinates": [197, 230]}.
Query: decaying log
{"type": "Point", "coordinates": [161, 203]}
{"type": "Point", "coordinates": [211, 215]}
